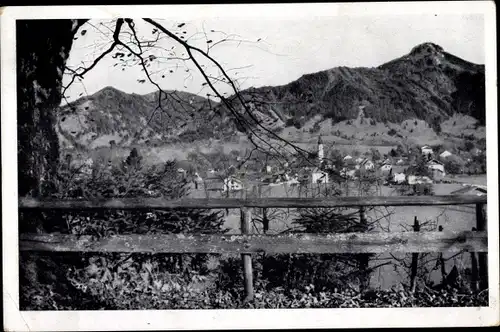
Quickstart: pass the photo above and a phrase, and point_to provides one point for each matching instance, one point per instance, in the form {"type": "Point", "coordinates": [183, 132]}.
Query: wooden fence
{"type": "Point", "coordinates": [246, 244]}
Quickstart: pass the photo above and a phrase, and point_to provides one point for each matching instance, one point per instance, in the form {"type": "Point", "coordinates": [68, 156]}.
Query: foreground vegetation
{"type": "Point", "coordinates": [89, 281]}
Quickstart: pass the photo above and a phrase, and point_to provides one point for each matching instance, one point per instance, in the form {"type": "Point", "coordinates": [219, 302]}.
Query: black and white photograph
{"type": "Point", "coordinates": [261, 156]}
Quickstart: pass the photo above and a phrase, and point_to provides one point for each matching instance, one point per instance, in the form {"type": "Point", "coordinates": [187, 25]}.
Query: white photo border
{"type": "Point", "coordinates": [240, 318]}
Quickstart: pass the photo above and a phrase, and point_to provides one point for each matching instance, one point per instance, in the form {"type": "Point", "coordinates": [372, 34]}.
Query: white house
{"type": "Point", "coordinates": [385, 168]}
{"type": "Point", "coordinates": [426, 150]}
{"type": "Point", "coordinates": [445, 154]}
{"type": "Point", "coordinates": [399, 178]}
{"type": "Point", "coordinates": [415, 179]}
{"type": "Point", "coordinates": [232, 184]}
{"type": "Point", "coordinates": [367, 164]}
{"type": "Point", "coordinates": [348, 157]}
{"type": "Point", "coordinates": [348, 173]}
{"type": "Point", "coordinates": [319, 176]}
{"type": "Point", "coordinates": [437, 168]}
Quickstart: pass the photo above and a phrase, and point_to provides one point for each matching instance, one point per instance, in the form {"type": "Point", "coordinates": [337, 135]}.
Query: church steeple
{"type": "Point", "coordinates": [321, 152]}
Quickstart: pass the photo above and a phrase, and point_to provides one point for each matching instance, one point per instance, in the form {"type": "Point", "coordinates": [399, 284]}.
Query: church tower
{"type": "Point", "coordinates": [321, 151]}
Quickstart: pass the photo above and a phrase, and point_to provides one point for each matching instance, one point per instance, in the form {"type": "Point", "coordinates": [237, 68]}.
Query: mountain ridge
{"type": "Point", "coordinates": [428, 84]}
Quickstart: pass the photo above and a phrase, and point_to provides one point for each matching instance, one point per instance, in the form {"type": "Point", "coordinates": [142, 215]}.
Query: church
{"type": "Point", "coordinates": [318, 175]}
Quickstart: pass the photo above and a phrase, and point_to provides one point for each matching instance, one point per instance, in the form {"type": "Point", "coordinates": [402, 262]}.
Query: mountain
{"type": "Point", "coordinates": [113, 115]}
{"type": "Point", "coordinates": [428, 85]}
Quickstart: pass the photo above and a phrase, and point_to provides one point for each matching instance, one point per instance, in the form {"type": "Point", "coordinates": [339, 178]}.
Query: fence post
{"type": "Point", "coordinates": [414, 259]}
{"type": "Point", "coordinates": [364, 258]}
{"type": "Point", "coordinates": [247, 258]}
{"type": "Point", "coordinates": [483, 256]}
{"type": "Point", "coordinates": [442, 261]}
{"type": "Point", "coordinates": [474, 273]}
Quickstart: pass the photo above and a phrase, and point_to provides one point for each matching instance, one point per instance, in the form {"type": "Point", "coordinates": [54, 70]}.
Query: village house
{"type": "Point", "coordinates": [197, 180]}
{"type": "Point", "coordinates": [347, 158]}
{"type": "Point", "coordinates": [367, 164]}
{"type": "Point", "coordinates": [348, 173]}
{"type": "Point", "coordinates": [319, 176]}
{"type": "Point", "coordinates": [437, 169]}
{"type": "Point", "coordinates": [232, 183]}
{"type": "Point", "coordinates": [426, 150]}
{"type": "Point", "coordinates": [399, 178]}
{"type": "Point", "coordinates": [417, 179]}
{"type": "Point", "coordinates": [385, 169]}
{"type": "Point", "coordinates": [445, 154]}
{"type": "Point", "coordinates": [468, 189]}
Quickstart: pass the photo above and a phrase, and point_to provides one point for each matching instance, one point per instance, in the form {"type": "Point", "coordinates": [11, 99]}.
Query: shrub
{"type": "Point", "coordinates": [106, 279]}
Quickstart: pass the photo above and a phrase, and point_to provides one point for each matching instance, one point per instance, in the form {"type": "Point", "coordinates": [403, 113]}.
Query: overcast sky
{"type": "Point", "coordinates": [276, 50]}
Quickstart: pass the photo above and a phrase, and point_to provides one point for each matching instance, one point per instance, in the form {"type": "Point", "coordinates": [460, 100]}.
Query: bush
{"type": "Point", "coordinates": [392, 132]}
{"type": "Point", "coordinates": [112, 280]}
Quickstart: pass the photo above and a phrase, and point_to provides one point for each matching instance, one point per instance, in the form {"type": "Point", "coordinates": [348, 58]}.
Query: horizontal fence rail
{"type": "Point", "coordinates": [396, 242]}
{"type": "Point", "coordinates": [236, 203]}
{"type": "Point", "coordinates": [246, 244]}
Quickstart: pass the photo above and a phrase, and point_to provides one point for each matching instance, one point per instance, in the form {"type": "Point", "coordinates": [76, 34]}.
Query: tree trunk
{"type": "Point", "coordinates": [43, 47]}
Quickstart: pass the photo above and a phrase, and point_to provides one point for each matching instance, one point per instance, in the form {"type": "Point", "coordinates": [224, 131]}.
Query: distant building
{"type": "Point", "coordinates": [437, 169]}
{"type": "Point", "coordinates": [445, 154]}
{"type": "Point", "coordinates": [321, 151]}
{"type": "Point", "coordinates": [426, 150]}
{"type": "Point", "coordinates": [319, 176]}
{"type": "Point", "coordinates": [348, 173]}
{"type": "Point", "coordinates": [386, 168]}
{"type": "Point", "coordinates": [399, 178]}
{"type": "Point", "coordinates": [416, 179]}
{"type": "Point", "coordinates": [470, 190]}
{"type": "Point", "coordinates": [348, 157]}
{"type": "Point", "coordinates": [367, 164]}
{"type": "Point", "coordinates": [232, 184]}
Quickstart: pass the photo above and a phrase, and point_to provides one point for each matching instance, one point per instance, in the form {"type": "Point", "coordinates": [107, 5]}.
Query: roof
{"type": "Point", "coordinates": [435, 162]}
{"type": "Point", "coordinates": [468, 189]}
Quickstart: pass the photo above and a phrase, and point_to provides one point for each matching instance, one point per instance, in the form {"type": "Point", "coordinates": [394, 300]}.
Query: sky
{"type": "Point", "coordinates": [270, 50]}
